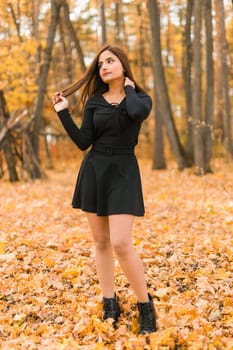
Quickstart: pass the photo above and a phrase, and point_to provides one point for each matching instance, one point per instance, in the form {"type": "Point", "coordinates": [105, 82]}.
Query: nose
{"type": "Point", "coordinates": [104, 66]}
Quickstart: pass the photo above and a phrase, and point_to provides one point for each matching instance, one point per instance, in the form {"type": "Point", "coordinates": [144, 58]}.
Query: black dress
{"type": "Point", "coordinates": [109, 179]}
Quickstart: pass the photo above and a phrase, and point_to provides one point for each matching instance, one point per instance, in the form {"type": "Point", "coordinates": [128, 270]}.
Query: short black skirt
{"type": "Point", "coordinates": [109, 184]}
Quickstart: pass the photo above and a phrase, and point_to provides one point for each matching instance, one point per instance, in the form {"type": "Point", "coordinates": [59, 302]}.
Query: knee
{"type": "Point", "coordinates": [122, 248]}
{"type": "Point", "coordinates": [102, 244]}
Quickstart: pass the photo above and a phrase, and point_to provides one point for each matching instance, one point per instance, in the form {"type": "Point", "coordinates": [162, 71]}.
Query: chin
{"type": "Point", "coordinates": [106, 80]}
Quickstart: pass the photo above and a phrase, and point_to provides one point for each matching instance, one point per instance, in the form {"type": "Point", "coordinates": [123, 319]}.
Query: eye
{"type": "Point", "coordinates": [110, 60]}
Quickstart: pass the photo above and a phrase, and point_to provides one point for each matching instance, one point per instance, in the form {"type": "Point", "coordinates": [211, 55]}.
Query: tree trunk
{"type": "Point", "coordinates": [8, 149]}
{"type": "Point", "coordinates": [141, 49]}
{"type": "Point", "coordinates": [187, 80]}
{"type": "Point", "coordinates": [159, 161]}
{"type": "Point", "coordinates": [218, 87]}
{"type": "Point", "coordinates": [67, 48]}
{"type": "Point", "coordinates": [198, 128]}
{"type": "Point", "coordinates": [103, 39]}
{"type": "Point", "coordinates": [125, 38]}
{"type": "Point", "coordinates": [15, 20]}
{"type": "Point", "coordinates": [7, 144]}
{"type": "Point", "coordinates": [209, 94]}
{"type": "Point", "coordinates": [219, 6]}
{"type": "Point", "coordinates": [35, 18]}
{"type": "Point", "coordinates": [1, 164]}
{"type": "Point", "coordinates": [29, 160]}
{"type": "Point", "coordinates": [35, 29]}
{"type": "Point", "coordinates": [117, 22]}
{"type": "Point", "coordinates": [49, 162]}
{"type": "Point", "coordinates": [42, 81]}
{"type": "Point", "coordinates": [73, 36]}
{"type": "Point", "coordinates": [160, 85]}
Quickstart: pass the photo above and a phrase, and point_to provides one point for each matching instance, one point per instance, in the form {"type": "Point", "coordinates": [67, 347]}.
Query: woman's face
{"type": "Point", "coordinates": [110, 67]}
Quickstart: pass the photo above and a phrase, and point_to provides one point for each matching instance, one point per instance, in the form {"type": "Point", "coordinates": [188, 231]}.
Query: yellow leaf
{"type": "Point", "coordinates": [218, 344]}
{"type": "Point", "coordinates": [2, 248]}
{"type": "Point", "coordinates": [134, 325]}
{"type": "Point", "coordinates": [211, 210]}
{"type": "Point", "coordinates": [102, 326]}
{"type": "Point", "coordinates": [137, 241]}
{"type": "Point", "coordinates": [19, 319]}
{"type": "Point", "coordinates": [154, 340]}
{"type": "Point", "coordinates": [48, 262]}
{"type": "Point", "coordinates": [167, 339]}
{"type": "Point", "coordinates": [229, 220]}
{"type": "Point", "coordinates": [70, 273]}
{"type": "Point", "coordinates": [229, 320]}
{"type": "Point", "coordinates": [228, 302]}
{"type": "Point", "coordinates": [221, 274]}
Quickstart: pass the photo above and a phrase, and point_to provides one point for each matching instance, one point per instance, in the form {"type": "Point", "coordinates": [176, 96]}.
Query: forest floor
{"type": "Point", "coordinates": [49, 292]}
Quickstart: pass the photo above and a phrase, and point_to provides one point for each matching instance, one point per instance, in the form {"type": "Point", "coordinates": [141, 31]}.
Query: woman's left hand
{"type": "Point", "coordinates": [129, 82]}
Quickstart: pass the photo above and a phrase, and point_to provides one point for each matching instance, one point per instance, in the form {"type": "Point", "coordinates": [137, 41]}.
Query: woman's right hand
{"type": "Point", "coordinates": [59, 102]}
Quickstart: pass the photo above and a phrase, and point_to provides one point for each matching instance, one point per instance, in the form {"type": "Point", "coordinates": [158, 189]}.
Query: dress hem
{"type": "Point", "coordinates": [110, 213]}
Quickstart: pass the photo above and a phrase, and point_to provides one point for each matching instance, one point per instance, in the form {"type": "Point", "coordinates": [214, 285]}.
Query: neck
{"type": "Point", "coordinates": [116, 88]}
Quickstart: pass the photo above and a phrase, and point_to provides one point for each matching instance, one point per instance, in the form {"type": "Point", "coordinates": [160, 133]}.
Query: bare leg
{"type": "Point", "coordinates": [121, 239]}
{"type": "Point", "coordinates": [103, 253]}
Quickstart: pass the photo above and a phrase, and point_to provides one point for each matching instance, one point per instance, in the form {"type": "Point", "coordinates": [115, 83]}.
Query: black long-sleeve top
{"type": "Point", "coordinates": [109, 124]}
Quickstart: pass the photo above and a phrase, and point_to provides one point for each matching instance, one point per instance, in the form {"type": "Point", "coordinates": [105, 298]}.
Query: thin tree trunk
{"type": "Point", "coordinates": [125, 38]}
{"type": "Point", "coordinates": [218, 85]}
{"type": "Point", "coordinates": [42, 81]}
{"type": "Point", "coordinates": [29, 160]}
{"type": "Point", "coordinates": [36, 32]}
{"type": "Point", "coordinates": [218, 124]}
{"type": "Point", "coordinates": [7, 144]}
{"type": "Point", "coordinates": [35, 18]}
{"type": "Point", "coordinates": [73, 36]}
{"type": "Point", "coordinates": [209, 95]}
{"type": "Point", "coordinates": [117, 22]}
{"type": "Point", "coordinates": [15, 20]}
{"type": "Point", "coordinates": [10, 159]}
{"type": "Point", "coordinates": [198, 128]}
{"type": "Point", "coordinates": [161, 87]}
{"type": "Point", "coordinates": [67, 49]}
{"type": "Point", "coordinates": [49, 162]}
{"type": "Point", "coordinates": [141, 49]}
{"type": "Point", "coordinates": [1, 164]}
{"type": "Point", "coordinates": [168, 38]}
{"type": "Point", "coordinates": [159, 161]}
{"type": "Point", "coordinates": [103, 38]}
{"type": "Point", "coordinates": [219, 5]}
{"type": "Point", "coordinates": [187, 80]}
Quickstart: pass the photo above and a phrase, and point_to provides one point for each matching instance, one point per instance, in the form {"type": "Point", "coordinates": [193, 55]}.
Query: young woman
{"type": "Point", "coordinates": [108, 187]}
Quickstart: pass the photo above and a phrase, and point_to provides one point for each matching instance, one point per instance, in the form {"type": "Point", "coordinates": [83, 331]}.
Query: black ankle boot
{"type": "Point", "coordinates": [147, 317]}
{"type": "Point", "coordinates": [111, 309]}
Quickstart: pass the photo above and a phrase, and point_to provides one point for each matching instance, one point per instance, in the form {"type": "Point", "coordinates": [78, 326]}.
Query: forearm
{"type": "Point", "coordinates": [79, 136]}
{"type": "Point", "coordinates": [137, 107]}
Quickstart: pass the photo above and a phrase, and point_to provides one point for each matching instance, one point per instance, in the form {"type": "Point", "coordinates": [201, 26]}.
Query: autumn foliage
{"type": "Point", "coordinates": [49, 293]}
{"type": "Point", "coordinates": [50, 298]}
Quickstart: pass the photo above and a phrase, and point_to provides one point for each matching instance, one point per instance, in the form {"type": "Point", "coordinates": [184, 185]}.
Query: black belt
{"type": "Point", "coordinates": [111, 150]}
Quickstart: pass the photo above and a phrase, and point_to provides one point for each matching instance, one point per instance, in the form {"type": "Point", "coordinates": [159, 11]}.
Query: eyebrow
{"type": "Point", "coordinates": [107, 58]}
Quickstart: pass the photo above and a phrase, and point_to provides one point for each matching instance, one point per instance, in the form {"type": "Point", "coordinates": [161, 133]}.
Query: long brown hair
{"type": "Point", "coordinates": [91, 83]}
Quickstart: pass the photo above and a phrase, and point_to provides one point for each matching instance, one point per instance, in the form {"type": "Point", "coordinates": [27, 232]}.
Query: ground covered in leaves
{"type": "Point", "coordinates": [49, 293]}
